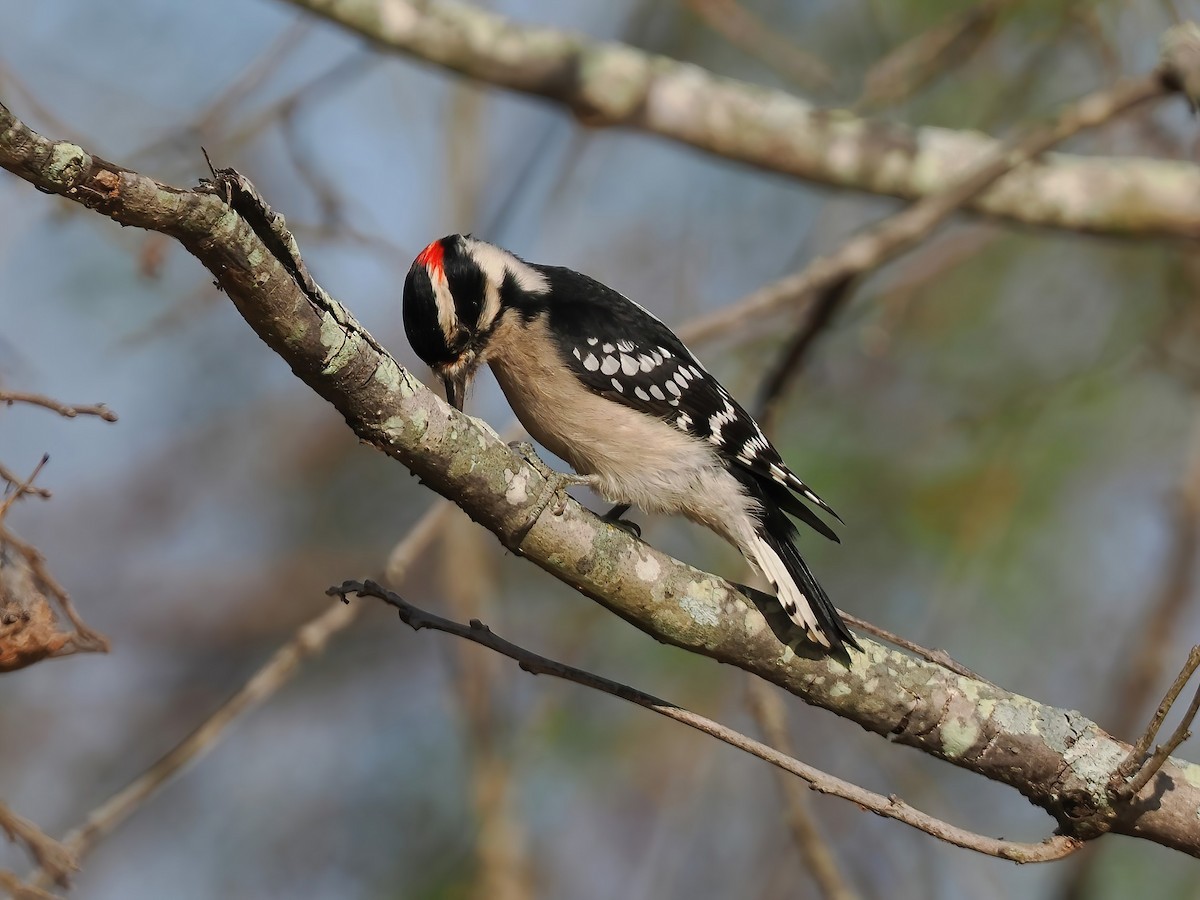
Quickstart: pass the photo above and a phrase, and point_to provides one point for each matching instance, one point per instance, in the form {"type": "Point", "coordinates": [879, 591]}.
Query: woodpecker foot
{"type": "Point", "coordinates": [555, 491]}
{"type": "Point", "coordinates": [613, 517]}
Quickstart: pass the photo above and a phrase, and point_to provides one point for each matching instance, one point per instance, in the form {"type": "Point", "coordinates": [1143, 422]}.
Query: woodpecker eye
{"type": "Point", "coordinates": [467, 283]}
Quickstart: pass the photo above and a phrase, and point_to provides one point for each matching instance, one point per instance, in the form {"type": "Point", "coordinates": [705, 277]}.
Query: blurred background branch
{"type": "Point", "coordinates": [607, 85]}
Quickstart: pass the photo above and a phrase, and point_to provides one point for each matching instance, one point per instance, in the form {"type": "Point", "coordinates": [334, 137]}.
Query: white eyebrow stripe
{"type": "Point", "coordinates": [444, 301]}
{"type": "Point", "coordinates": [497, 262]}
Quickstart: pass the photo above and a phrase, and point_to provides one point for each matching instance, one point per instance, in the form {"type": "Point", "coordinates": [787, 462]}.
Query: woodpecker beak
{"type": "Point", "coordinates": [456, 387]}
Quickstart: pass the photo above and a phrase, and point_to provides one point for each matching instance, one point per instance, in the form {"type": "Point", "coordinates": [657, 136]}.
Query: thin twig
{"type": "Point", "coordinates": [829, 279]}
{"type": "Point", "coordinates": [892, 807]}
{"type": "Point", "coordinates": [818, 856]}
{"type": "Point", "coordinates": [49, 854]}
{"type": "Point", "coordinates": [308, 640]}
{"type": "Point", "coordinates": [1137, 757]}
{"type": "Point", "coordinates": [99, 409]}
{"type": "Point", "coordinates": [934, 655]}
{"type": "Point", "coordinates": [22, 486]}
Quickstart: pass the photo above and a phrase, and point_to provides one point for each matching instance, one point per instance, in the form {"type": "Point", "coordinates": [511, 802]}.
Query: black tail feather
{"type": "Point", "coordinates": [780, 534]}
{"type": "Point", "coordinates": [828, 618]}
{"type": "Point", "coordinates": [790, 503]}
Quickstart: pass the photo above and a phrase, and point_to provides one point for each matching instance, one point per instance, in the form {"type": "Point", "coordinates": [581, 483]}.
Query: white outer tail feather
{"type": "Point", "coordinates": [768, 562]}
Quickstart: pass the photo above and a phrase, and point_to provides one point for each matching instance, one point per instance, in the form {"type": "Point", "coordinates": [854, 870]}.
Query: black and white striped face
{"type": "Point", "coordinates": [452, 300]}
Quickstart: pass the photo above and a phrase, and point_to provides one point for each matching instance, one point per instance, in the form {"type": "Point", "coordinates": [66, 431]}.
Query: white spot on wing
{"type": "Point", "coordinates": [673, 388]}
{"type": "Point", "coordinates": [593, 341]}
{"type": "Point", "coordinates": [684, 422]}
{"type": "Point", "coordinates": [681, 379]}
{"type": "Point", "coordinates": [642, 395]}
{"type": "Point", "coordinates": [610, 365]}
{"type": "Point", "coordinates": [625, 346]}
{"type": "Point", "coordinates": [629, 365]}
{"type": "Point", "coordinates": [576, 352]}
{"type": "Point", "coordinates": [656, 392]}
{"type": "Point", "coordinates": [591, 363]}
{"type": "Point", "coordinates": [719, 420]}
{"type": "Point", "coordinates": [608, 348]}
{"type": "Point", "coordinates": [617, 385]}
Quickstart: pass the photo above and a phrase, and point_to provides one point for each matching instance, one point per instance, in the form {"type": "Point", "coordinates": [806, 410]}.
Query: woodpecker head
{"type": "Point", "coordinates": [455, 294]}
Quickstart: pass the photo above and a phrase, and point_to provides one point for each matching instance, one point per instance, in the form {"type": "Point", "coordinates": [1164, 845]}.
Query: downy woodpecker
{"type": "Point", "coordinates": [606, 386]}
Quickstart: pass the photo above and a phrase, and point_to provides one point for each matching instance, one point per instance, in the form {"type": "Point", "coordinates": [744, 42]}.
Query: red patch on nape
{"type": "Point", "coordinates": [431, 257]}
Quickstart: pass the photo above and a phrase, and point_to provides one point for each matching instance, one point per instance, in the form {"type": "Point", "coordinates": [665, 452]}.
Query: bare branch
{"type": "Point", "coordinates": [20, 486]}
{"type": "Point", "coordinates": [889, 807]}
{"type": "Point", "coordinates": [100, 410]}
{"type": "Point", "coordinates": [56, 860]}
{"type": "Point", "coordinates": [936, 656]}
{"type": "Point", "coordinates": [607, 84]}
{"type": "Point", "coordinates": [1137, 757]}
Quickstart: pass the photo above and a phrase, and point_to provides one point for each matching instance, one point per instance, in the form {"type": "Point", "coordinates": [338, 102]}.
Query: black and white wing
{"type": "Point", "coordinates": [623, 352]}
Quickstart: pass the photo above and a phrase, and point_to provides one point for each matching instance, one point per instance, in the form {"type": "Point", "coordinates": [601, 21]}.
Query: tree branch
{"type": "Point", "coordinates": [889, 807]}
{"type": "Point", "coordinates": [1057, 758]}
{"type": "Point", "coordinates": [608, 84]}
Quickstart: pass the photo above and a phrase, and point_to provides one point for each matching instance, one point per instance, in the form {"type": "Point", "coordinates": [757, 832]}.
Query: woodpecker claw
{"type": "Point", "coordinates": [555, 489]}
{"type": "Point", "coordinates": [614, 517]}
